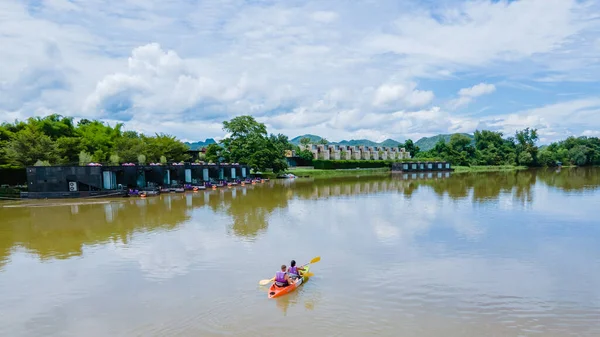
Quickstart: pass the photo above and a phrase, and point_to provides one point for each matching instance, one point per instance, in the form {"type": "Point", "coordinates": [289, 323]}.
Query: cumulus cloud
{"type": "Point", "coordinates": [403, 93]}
{"type": "Point", "coordinates": [344, 70]}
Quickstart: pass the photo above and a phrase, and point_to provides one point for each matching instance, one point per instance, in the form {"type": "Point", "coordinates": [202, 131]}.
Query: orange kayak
{"type": "Point", "coordinates": [276, 291]}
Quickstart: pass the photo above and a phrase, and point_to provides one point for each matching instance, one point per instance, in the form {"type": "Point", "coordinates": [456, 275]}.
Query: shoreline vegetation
{"type": "Point", "coordinates": [58, 140]}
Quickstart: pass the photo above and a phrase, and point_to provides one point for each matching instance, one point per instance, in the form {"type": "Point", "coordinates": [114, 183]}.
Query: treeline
{"type": "Point", "coordinates": [491, 148]}
{"type": "Point", "coordinates": [57, 140]}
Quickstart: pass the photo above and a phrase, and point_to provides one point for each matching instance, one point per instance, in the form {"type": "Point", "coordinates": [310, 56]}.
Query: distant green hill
{"type": "Point", "coordinates": [313, 139]}
{"type": "Point", "coordinates": [425, 143]}
{"type": "Point", "coordinates": [428, 143]}
{"type": "Point", "coordinates": [353, 142]}
{"type": "Point", "coordinates": [199, 145]}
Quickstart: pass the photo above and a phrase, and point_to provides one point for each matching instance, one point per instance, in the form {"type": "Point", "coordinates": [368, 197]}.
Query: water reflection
{"type": "Point", "coordinates": [512, 253]}
{"type": "Point", "coordinates": [61, 231]}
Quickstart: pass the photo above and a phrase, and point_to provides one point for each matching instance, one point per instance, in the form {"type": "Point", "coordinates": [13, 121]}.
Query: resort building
{"type": "Point", "coordinates": [346, 152]}
{"type": "Point", "coordinates": [96, 180]}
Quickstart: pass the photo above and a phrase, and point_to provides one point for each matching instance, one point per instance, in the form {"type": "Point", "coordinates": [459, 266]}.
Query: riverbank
{"type": "Point", "coordinates": [489, 168]}
{"type": "Point", "coordinates": [318, 173]}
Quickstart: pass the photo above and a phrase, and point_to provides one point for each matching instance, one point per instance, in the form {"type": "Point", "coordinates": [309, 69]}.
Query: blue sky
{"type": "Point", "coordinates": [361, 69]}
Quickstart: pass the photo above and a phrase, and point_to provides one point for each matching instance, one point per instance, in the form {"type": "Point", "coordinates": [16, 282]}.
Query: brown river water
{"type": "Point", "coordinates": [488, 254]}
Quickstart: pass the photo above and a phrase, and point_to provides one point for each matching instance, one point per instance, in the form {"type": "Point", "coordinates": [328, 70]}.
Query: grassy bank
{"type": "Point", "coordinates": [316, 173]}
{"type": "Point", "coordinates": [463, 169]}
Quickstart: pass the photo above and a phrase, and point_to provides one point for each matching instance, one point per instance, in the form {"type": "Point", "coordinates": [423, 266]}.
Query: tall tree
{"type": "Point", "coordinates": [248, 144]}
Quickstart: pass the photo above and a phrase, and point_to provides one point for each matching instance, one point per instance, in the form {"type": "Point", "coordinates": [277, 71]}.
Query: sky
{"type": "Point", "coordinates": [373, 69]}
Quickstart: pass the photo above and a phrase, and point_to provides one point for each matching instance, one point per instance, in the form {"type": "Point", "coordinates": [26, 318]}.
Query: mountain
{"type": "Point", "coordinates": [199, 145]}
{"type": "Point", "coordinates": [353, 142]}
{"type": "Point", "coordinates": [428, 143]}
{"type": "Point", "coordinates": [313, 139]}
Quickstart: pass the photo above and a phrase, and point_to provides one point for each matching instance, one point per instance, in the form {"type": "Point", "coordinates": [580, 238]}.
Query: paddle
{"type": "Point", "coordinates": [309, 274]}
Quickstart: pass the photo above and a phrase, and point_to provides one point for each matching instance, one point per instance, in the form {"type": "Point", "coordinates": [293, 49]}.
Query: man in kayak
{"type": "Point", "coordinates": [294, 271]}
{"type": "Point", "coordinates": [282, 279]}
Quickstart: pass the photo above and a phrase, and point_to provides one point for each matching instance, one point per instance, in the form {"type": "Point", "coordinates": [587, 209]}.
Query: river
{"type": "Point", "coordinates": [487, 254]}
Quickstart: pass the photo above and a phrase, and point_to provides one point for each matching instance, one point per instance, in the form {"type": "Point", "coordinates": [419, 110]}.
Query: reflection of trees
{"type": "Point", "coordinates": [571, 179]}
{"type": "Point", "coordinates": [250, 212]}
{"type": "Point", "coordinates": [62, 231]}
{"type": "Point", "coordinates": [485, 186]}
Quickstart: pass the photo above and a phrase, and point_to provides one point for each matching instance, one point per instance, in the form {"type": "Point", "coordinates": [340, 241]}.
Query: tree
{"type": "Point", "coordinates": [526, 140]}
{"type": "Point", "coordinates": [323, 141]}
{"type": "Point", "coordinates": [30, 145]}
{"type": "Point", "coordinates": [213, 153]}
{"type": "Point", "coordinates": [546, 158]}
{"type": "Point", "coordinates": [305, 141]}
{"type": "Point", "coordinates": [42, 163]}
{"type": "Point", "coordinates": [578, 155]}
{"type": "Point", "coordinates": [410, 147]}
{"type": "Point", "coordinates": [84, 158]}
{"type": "Point", "coordinates": [248, 144]}
{"type": "Point", "coordinates": [305, 155]}
{"type": "Point", "coordinates": [114, 160]}
{"type": "Point", "coordinates": [57, 140]}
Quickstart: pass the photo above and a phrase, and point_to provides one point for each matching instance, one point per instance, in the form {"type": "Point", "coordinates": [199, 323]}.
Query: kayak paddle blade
{"type": "Point", "coordinates": [265, 282]}
{"type": "Point", "coordinates": [315, 260]}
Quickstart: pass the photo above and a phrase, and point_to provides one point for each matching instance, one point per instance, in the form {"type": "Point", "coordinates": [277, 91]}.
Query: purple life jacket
{"type": "Point", "coordinates": [280, 277]}
{"type": "Point", "coordinates": [293, 270]}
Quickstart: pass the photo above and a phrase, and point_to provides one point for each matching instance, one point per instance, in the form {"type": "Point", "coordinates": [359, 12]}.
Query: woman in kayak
{"type": "Point", "coordinates": [282, 279]}
{"type": "Point", "coordinates": [294, 271]}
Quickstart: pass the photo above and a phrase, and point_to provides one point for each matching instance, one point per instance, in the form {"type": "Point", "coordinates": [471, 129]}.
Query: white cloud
{"type": "Point", "coordinates": [467, 95]}
{"type": "Point", "coordinates": [406, 94]}
{"type": "Point", "coordinates": [477, 90]}
{"type": "Point", "coordinates": [345, 70]}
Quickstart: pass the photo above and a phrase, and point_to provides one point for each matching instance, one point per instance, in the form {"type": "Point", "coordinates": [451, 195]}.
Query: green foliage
{"type": "Point", "coordinates": [304, 141]}
{"type": "Point", "coordinates": [29, 145]}
{"type": "Point", "coordinates": [163, 159]}
{"type": "Point", "coordinates": [305, 155]}
{"type": "Point", "coordinates": [57, 140]}
{"type": "Point", "coordinates": [141, 159]}
{"type": "Point", "coordinates": [410, 147]}
{"type": "Point", "coordinates": [114, 160]}
{"type": "Point", "coordinates": [213, 153]}
{"type": "Point", "coordinates": [249, 144]}
{"type": "Point", "coordinates": [428, 143]}
{"type": "Point", "coordinates": [84, 158]}
{"type": "Point", "coordinates": [489, 148]}
{"type": "Point", "coordinates": [41, 163]}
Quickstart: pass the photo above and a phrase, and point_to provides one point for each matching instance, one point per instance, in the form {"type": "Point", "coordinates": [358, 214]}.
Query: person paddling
{"type": "Point", "coordinates": [294, 271]}
{"type": "Point", "coordinates": [282, 279]}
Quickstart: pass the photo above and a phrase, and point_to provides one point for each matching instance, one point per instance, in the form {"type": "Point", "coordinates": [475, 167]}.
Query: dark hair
{"type": "Point", "coordinates": [283, 267]}
{"type": "Point", "coordinates": [293, 263]}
